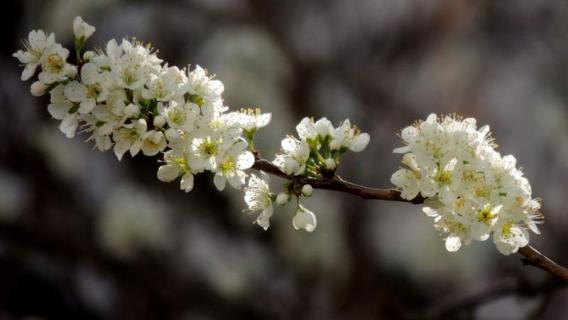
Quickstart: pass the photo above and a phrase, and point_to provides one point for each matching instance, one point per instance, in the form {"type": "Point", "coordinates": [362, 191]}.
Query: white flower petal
{"type": "Point", "coordinates": [453, 243]}
{"type": "Point", "coordinates": [219, 182]}
{"type": "Point", "coordinates": [186, 182]}
{"type": "Point", "coordinates": [304, 219]}
{"type": "Point", "coordinates": [168, 173]}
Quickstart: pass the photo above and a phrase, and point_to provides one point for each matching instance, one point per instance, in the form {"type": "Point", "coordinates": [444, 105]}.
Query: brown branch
{"type": "Point", "coordinates": [536, 259]}
{"type": "Point", "coordinates": [532, 256]}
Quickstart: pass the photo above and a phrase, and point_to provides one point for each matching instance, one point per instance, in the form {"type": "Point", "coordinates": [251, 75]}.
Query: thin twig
{"type": "Point", "coordinates": [532, 256]}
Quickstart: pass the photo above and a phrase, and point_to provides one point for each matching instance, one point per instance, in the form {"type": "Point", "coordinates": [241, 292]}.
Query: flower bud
{"type": "Point", "coordinates": [159, 121]}
{"type": "Point", "coordinates": [38, 88]}
{"type": "Point", "coordinates": [153, 143]}
{"type": "Point", "coordinates": [172, 135]}
{"type": "Point", "coordinates": [304, 219]}
{"type": "Point", "coordinates": [88, 55]}
{"type": "Point", "coordinates": [282, 198]}
{"type": "Point", "coordinates": [307, 190]}
{"type": "Point", "coordinates": [330, 164]}
{"type": "Point", "coordinates": [81, 29]}
{"type": "Point", "coordinates": [72, 72]}
{"type": "Point", "coordinates": [131, 110]}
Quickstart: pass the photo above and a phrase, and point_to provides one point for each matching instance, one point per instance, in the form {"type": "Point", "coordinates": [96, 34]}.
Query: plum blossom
{"type": "Point", "coordinates": [472, 191]}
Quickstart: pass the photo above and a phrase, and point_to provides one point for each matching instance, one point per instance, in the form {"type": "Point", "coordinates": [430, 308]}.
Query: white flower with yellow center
{"type": "Point", "coordinates": [295, 154]}
{"type": "Point", "coordinates": [93, 88]}
{"type": "Point", "coordinates": [346, 136]}
{"type": "Point", "coordinates": [54, 66]}
{"type": "Point", "coordinates": [35, 46]}
{"type": "Point", "coordinates": [259, 199]}
{"type": "Point", "coordinates": [231, 166]}
{"type": "Point", "coordinates": [250, 120]}
{"type": "Point", "coordinates": [62, 109]}
{"type": "Point", "coordinates": [472, 191]}
{"type": "Point", "coordinates": [169, 84]}
{"type": "Point", "coordinates": [183, 116]}
{"type": "Point", "coordinates": [129, 138]}
{"type": "Point", "coordinates": [204, 153]}
{"type": "Point", "coordinates": [153, 142]}
{"type": "Point", "coordinates": [509, 237]}
{"type": "Point", "coordinates": [176, 165]}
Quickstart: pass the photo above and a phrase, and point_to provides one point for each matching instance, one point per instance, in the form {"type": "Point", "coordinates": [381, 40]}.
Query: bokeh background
{"type": "Point", "coordinates": [83, 236]}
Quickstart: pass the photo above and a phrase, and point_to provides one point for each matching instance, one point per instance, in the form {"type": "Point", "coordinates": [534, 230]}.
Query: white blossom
{"type": "Point", "coordinates": [259, 198]}
{"type": "Point", "coordinates": [472, 191]}
{"type": "Point", "coordinates": [54, 65]}
{"type": "Point", "coordinates": [62, 109]}
{"type": "Point", "coordinates": [176, 166]}
{"type": "Point", "coordinates": [250, 119]}
{"type": "Point", "coordinates": [319, 147]}
{"type": "Point", "coordinates": [346, 136]}
{"type": "Point", "coordinates": [295, 155]}
{"type": "Point", "coordinates": [153, 142]}
{"type": "Point", "coordinates": [307, 190]}
{"type": "Point", "coordinates": [282, 198]}
{"type": "Point", "coordinates": [82, 30]}
{"type": "Point", "coordinates": [35, 46]}
{"type": "Point", "coordinates": [130, 138]}
{"type": "Point", "coordinates": [304, 219]}
{"type": "Point", "coordinates": [232, 164]}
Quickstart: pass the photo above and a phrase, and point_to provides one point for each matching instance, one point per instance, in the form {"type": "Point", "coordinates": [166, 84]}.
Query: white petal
{"type": "Point", "coordinates": [69, 125]}
{"type": "Point", "coordinates": [408, 134]}
{"type": "Point", "coordinates": [58, 110]}
{"type": "Point", "coordinates": [304, 219]}
{"type": "Point", "coordinates": [219, 182]}
{"type": "Point", "coordinates": [186, 183]}
{"type": "Point", "coordinates": [360, 142]}
{"type": "Point", "coordinates": [87, 106]}
{"type": "Point", "coordinates": [89, 73]}
{"type": "Point", "coordinates": [135, 148]}
{"type": "Point", "coordinates": [480, 231]}
{"type": "Point", "coordinates": [290, 145]}
{"type": "Point", "coordinates": [453, 243]}
{"type": "Point", "coordinates": [75, 91]}
{"type": "Point", "coordinates": [263, 120]}
{"type": "Point", "coordinates": [404, 149]}
{"type": "Point", "coordinates": [430, 212]}
{"type": "Point", "coordinates": [245, 160]}
{"type": "Point", "coordinates": [168, 173]}
{"type": "Point", "coordinates": [119, 149]}
{"type": "Point", "coordinates": [263, 219]}
{"type": "Point", "coordinates": [28, 71]}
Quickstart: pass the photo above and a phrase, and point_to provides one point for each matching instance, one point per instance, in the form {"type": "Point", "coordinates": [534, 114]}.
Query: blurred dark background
{"type": "Point", "coordinates": [83, 236]}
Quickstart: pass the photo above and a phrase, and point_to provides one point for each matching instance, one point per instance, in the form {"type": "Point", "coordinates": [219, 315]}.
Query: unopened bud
{"type": "Point", "coordinates": [159, 121]}
{"type": "Point", "coordinates": [88, 55]}
{"type": "Point", "coordinates": [38, 88]}
{"type": "Point", "coordinates": [131, 110]}
{"type": "Point", "coordinates": [307, 190]}
{"type": "Point", "coordinates": [172, 135]}
{"type": "Point", "coordinates": [330, 164]}
{"type": "Point", "coordinates": [282, 198]}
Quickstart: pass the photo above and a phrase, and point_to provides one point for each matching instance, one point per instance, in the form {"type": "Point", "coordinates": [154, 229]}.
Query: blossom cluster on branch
{"type": "Point", "coordinates": [128, 100]}
{"type": "Point", "coordinates": [472, 191]}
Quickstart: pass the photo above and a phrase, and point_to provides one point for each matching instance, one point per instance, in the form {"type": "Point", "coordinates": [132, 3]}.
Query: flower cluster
{"type": "Point", "coordinates": [259, 198]}
{"type": "Point", "coordinates": [472, 191]}
{"type": "Point", "coordinates": [319, 148]}
{"type": "Point", "coordinates": [316, 153]}
{"type": "Point", "coordinates": [127, 99]}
